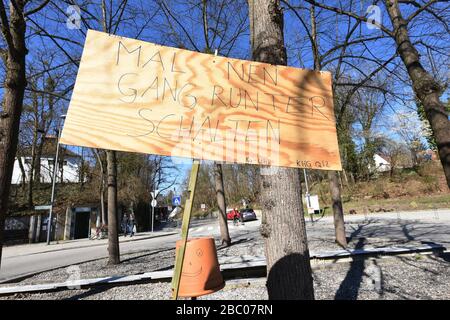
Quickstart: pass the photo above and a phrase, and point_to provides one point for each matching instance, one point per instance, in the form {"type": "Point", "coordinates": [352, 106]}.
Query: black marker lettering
{"type": "Point", "coordinates": [157, 128]}
{"type": "Point", "coordinates": [241, 76]}
{"type": "Point", "coordinates": [248, 128]}
{"type": "Point", "coordinates": [250, 99]}
{"type": "Point", "coordinates": [159, 61]}
{"type": "Point", "coordinates": [128, 51]}
{"type": "Point", "coordinates": [134, 94]}
{"type": "Point", "coordinates": [316, 106]}
{"type": "Point", "coordinates": [250, 73]}
{"type": "Point", "coordinates": [269, 124]}
{"type": "Point", "coordinates": [174, 94]}
{"type": "Point", "coordinates": [173, 64]}
{"type": "Point", "coordinates": [140, 112]}
{"type": "Point", "coordinates": [274, 80]}
{"type": "Point", "coordinates": [153, 86]}
{"type": "Point", "coordinates": [231, 100]}
{"type": "Point", "coordinates": [180, 99]}
{"type": "Point", "coordinates": [216, 95]}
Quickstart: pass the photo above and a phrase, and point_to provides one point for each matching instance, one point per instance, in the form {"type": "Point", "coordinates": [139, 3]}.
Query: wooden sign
{"type": "Point", "coordinates": [137, 96]}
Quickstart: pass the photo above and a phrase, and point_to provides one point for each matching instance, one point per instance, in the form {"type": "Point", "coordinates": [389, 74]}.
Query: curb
{"type": "Point", "coordinates": [31, 274]}
{"type": "Point", "coordinates": [94, 245]}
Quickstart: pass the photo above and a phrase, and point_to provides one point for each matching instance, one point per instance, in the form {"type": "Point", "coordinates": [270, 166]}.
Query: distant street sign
{"type": "Point", "coordinates": [176, 200]}
{"type": "Point", "coordinates": [312, 203]}
{"type": "Point", "coordinates": [45, 207]}
{"type": "Point", "coordinates": [154, 203]}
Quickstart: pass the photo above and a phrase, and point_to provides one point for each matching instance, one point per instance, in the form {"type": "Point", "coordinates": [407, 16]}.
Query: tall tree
{"type": "Point", "coordinates": [218, 172]}
{"type": "Point", "coordinates": [113, 226]}
{"type": "Point", "coordinates": [342, 53]}
{"type": "Point", "coordinates": [111, 163]}
{"type": "Point", "coordinates": [221, 203]}
{"type": "Point", "coordinates": [335, 188]}
{"type": "Point", "coordinates": [13, 32]}
{"type": "Point", "coordinates": [426, 88]}
{"type": "Point", "coordinates": [283, 223]}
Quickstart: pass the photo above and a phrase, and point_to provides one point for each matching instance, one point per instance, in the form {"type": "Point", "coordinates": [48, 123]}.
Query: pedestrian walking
{"type": "Point", "coordinates": [132, 224]}
{"type": "Point", "coordinates": [125, 222]}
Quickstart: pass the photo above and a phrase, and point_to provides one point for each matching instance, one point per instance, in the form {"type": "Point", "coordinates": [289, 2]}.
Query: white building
{"type": "Point", "coordinates": [69, 165]}
{"type": "Point", "coordinates": [382, 163]}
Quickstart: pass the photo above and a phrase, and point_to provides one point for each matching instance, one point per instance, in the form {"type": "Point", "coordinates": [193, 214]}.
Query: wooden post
{"type": "Point", "coordinates": [184, 230]}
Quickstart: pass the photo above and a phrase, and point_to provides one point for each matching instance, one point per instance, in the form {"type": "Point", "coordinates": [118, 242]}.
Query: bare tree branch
{"type": "Point", "coordinates": [165, 8]}
{"type": "Point", "coordinates": [120, 15]}
{"type": "Point", "coordinates": [362, 83]}
{"type": "Point", "coordinates": [420, 10]}
{"type": "Point", "coordinates": [351, 14]}
{"type": "Point", "coordinates": [54, 41]}
{"type": "Point", "coordinates": [5, 27]}
{"type": "Point", "coordinates": [205, 24]}
{"type": "Point", "coordinates": [38, 8]}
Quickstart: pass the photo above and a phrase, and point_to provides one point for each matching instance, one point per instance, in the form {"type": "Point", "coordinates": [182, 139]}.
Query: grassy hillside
{"type": "Point", "coordinates": [408, 189]}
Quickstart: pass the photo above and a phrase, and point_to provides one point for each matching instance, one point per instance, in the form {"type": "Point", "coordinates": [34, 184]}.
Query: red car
{"type": "Point", "coordinates": [232, 214]}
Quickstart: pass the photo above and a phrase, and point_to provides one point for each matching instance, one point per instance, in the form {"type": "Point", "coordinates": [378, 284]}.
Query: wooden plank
{"type": "Point", "coordinates": [136, 96]}
{"type": "Point", "coordinates": [184, 230]}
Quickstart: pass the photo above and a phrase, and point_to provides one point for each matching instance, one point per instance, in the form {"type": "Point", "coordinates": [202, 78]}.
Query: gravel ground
{"type": "Point", "coordinates": [395, 277]}
{"type": "Point", "coordinates": [147, 261]}
{"type": "Point", "coordinates": [392, 278]}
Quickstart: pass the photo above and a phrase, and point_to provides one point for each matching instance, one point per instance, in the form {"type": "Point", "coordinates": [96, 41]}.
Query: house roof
{"type": "Point", "coordinates": [384, 157]}
{"type": "Point", "coordinates": [49, 149]}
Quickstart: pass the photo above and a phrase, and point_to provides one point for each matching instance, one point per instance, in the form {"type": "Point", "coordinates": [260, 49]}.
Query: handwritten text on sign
{"type": "Point", "coordinates": [136, 96]}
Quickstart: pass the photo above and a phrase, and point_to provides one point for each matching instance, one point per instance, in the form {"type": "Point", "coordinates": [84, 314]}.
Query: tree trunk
{"type": "Point", "coordinates": [31, 172]}
{"type": "Point", "coordinates": [82, 173]}
{"type": "Point", "coordinates": [113, 236]}
{"type": "Point", "coordinates": [338, 212]}
{"type": "Point", "coordinates": [335, 190]}
{"type": "Point", "coordinates": [220, 195]}
{"type": "Point", "coordinates": [22, 170]}
{"type": "Point", "coordinates": [61, 164]}
{"type": "Point", "coordinates": [102, 206]}
{"type": "Point", "coordinates": [37, 169]}
{"type": "Point", "coordinates": [14, 87]}
{"type": "Point", "coordinates": [283, 226]}
{"type": "Point", "coordinates": [425, 87]}
{"type": "Point", "coordinates": [102, 185]}
{"type": "Point", "coordinates": [34, 144]}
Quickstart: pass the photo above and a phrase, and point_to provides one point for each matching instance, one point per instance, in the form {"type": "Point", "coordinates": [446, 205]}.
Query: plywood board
{"type": "Point", "coordinates": [137, 96]}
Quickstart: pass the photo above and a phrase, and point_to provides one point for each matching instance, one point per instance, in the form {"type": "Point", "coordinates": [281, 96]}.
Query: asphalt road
{"type": "Point", "coordinates": [23, 260]}
{"type": "Point", "coordinates": [419, 226]}
{"type": "Point", "coordinates": [425, 226]}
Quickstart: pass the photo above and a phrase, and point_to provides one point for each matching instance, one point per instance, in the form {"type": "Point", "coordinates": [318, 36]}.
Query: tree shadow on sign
{"type": "Point", "coordinates": [287, 281]}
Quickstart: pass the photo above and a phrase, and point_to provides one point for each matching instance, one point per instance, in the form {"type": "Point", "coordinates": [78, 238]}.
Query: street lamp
{"type": "Point", "coordinates": [154, 196]}
{"type": "Point", "coordinates": [55, 170]}
{"type": "Point", "coordinates": [308, 198]}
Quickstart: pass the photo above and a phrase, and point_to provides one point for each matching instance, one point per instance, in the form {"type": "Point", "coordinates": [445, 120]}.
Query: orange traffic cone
{"type": "Point", "coordinates": [201, 273]}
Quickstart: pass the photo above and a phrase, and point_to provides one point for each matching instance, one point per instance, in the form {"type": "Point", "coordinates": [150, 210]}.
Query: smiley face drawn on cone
{"type": "Point", "coordinates": [201, 272]}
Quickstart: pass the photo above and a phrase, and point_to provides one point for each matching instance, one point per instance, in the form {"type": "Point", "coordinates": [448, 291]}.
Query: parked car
{"type": "Point", "coordinates": [248, 214]}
